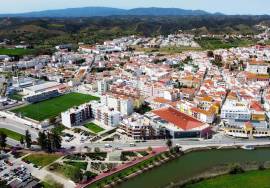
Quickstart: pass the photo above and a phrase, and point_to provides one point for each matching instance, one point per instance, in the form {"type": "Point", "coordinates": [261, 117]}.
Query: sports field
{"type": "Point", "coordinates": [53, 107]}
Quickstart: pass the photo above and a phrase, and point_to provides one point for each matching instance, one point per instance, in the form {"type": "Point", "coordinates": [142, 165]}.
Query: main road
{"type": "Point", "coordinates": [186, 144]}
{"type": "Point", "coordinates": [219, 140]}
{"type": "Point", "coordinates": [20, 128]}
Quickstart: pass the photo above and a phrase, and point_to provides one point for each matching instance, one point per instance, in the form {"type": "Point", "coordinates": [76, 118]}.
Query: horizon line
{"type": "Point", "coordinates": [210, 12]}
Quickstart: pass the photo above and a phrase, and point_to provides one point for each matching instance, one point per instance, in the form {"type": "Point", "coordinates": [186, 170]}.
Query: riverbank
{"type": "Point", "coordinates": [251, 179]}
{"type": "Point", "coordinates": [193, 164]}
{"type": "Point", "coordinates": [224, 170]}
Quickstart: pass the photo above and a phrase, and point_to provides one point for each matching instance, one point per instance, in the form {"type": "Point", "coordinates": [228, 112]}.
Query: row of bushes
{"type": "Point", "coordinates": [94, 156]}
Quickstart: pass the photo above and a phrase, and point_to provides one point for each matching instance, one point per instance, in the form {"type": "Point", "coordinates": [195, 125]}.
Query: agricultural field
{"type": "Point", "coordinates": [216, 43]}
{"type": "Point", "coordinates": [53, 107]}
{"type": "Point", "coordinates": [16, 52]}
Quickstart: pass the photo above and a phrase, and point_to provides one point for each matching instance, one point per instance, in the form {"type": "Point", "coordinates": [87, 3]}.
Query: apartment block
{"type": "Point", "coordinates": [76, 116]}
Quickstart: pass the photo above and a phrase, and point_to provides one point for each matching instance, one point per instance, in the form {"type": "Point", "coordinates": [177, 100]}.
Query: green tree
{"type": "Point", "coordinates": [22, 140]}
{"type": "Point", "coordinates": [55, 140]}
{"type": "Point", "coordinates": [210, 53]}
{"type": "Point", "coordinates": [97, 149]}
{"type": "Point", "coordinates": [49, 143]}
{"type": "Point", "coordinates": [42, 140]}
{"type": "Point", "coordinates": [3, 140]}
{"type": "Point", "coordinates": [28, 139]}
{"type": "Point", "coordinates": [169, 143]}
{"type": "Point", "coordinates": [236, 169]}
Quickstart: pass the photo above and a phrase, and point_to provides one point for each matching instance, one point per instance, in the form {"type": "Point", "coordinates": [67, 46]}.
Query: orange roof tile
{"type": "Point", "coordinates": [179, 119]}
{"type": "Point", "coordinates": [161, 100]}
{"type": "Point", "coordinates": [255, 105]}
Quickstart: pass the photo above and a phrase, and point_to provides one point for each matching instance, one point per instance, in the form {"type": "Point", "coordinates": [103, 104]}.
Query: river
{"type": "Point", "coordinates": [193, 164]}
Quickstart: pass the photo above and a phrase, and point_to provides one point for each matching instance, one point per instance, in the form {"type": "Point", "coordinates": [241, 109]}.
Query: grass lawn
{"type": "Point", "coordinates": [94, 128]}
{"type": "Point", "coordinates": [18, 52]}
{"type": "Point", "coordinates": [53, 107]}
{"type": "Point", "coordinates": [71, 172]}
{"type": "Point", "coordinates": [80, 165]}
{"type": "Point", "coordinates": [248, 180]}
{"type": "Point", "coordinates": [49, 185]}
{"type": "Point", "coordinates": [11, 134]}
{"type": "Point", "coordinates": [41, 159]}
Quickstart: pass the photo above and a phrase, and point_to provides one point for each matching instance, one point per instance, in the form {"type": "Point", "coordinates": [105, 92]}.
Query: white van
{"type": "Point", "coordinates": [108, 146]}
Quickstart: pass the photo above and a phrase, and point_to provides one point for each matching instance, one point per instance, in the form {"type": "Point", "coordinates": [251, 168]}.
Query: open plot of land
{"type": "Point", "coordinates": [53, 107]}
{"type": "Point", "coordinates": [17, 51]}
{"type": "Point", "coordinates": [215, 43]}
{"type": "Point", "coordinates": [41, 159]}
{"type": "Point", "coordinates": [11, 134]}
{"type": "Point", "coordinates": [248, 180]}
{"type": "Point", "coordinates": [94, 128]}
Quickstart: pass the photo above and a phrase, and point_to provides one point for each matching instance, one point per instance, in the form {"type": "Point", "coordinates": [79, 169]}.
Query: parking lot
{"type": "Point", "coordinates": [16, 174]}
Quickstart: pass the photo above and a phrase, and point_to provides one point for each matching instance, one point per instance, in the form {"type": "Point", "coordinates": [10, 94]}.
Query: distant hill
{"type": "Point", "coordinates": [49, 32]}
{"type": "Point", "coordinates": [107, 11]}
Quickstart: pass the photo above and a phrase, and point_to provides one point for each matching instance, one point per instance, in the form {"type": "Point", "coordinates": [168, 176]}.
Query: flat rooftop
{"type": "Point", "coordinates": [43, 86]}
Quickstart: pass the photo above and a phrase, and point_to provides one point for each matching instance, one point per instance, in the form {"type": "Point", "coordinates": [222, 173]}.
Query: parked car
{"type": "Point", "coordinates": [132, 145]}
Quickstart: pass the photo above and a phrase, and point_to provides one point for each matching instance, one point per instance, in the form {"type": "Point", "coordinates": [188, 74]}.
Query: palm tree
{"type": "Point", "coordinates": [3, 140]}
{"type": "Point", "coordinates": [28, 139]}
{"type": "Point", "coordinates": [42, 140]}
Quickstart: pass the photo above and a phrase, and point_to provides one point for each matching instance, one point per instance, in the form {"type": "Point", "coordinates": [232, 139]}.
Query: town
{"type": "Point", "coordinates": [86, 114]}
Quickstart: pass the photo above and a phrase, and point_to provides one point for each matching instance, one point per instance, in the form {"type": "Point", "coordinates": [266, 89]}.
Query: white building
{"type": "Point", "coordinates": [103, 86]}
{"type": "Point", "coordinates": [138, 127]}
{"type": "Point", "coordinates": [235, 110]}
{"type": "Point", "coordinates": [76, 116]}
{"type": "Point", "coordinates": [120, 103]}
{"type": "Point", "coordinates": [40, 88]}
{"type": "Point", "coordinates": [257, 67]}
{"type": "Point", "coordinates": [105, 115]}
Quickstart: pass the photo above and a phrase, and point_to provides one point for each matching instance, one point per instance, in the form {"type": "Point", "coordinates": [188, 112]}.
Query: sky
{"type": "Point", "coordinates": [223, 6]}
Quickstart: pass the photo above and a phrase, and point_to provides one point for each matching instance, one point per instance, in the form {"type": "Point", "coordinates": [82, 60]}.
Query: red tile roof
{"type": "Point", "coordinates": [255, 105]}
{"type": "Point", "coordinates": [178, 118]}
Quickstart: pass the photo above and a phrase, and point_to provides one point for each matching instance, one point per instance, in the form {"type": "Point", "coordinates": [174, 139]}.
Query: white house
{"type": "Point", "coordinates": [235, 110]}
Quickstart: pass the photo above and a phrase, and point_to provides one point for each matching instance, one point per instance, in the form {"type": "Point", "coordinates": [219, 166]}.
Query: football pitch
{"type": "Point", "coordinates": [53, 107]}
